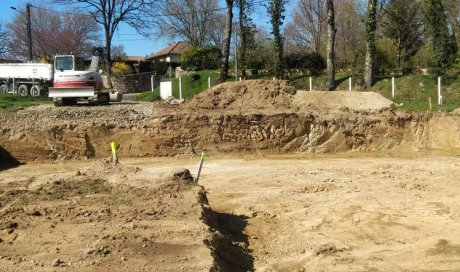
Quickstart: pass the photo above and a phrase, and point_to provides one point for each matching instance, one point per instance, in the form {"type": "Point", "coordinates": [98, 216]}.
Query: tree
{"type": "Point", "coordinates": [276, 9]}
{"type": "Point", "coordinates": [349, 40]}
{"type": "Point", "coordinates": [201, 58]}
{"type": "Point", "coordinates": [118, 51]}
{"type": "Point", "coordinates": [443, 42]}
{"type": "Point", "coordinates": [403, 24]}
{"type": "Point", "coordinates": [111, 13]}
{"type": "Point", "coordinates": [4, 49]}
{"type": "Point", "coordinates": [453, 15]}
{"type": "Point", "coordinates": [216, 32]}
{"type": "Point", "coordinates": [261, 55]}
{"type": "Point", "coordinates": [52, 33]}
{"type": "Point", "coordinates": [247, 29]}
{"type": "Point", "coordinates": [226, 43]}
{"type": "Point", "coordinates": [330, 83]}
{"type": "Point", "coordinates": [371, 27]}
{"type": "Point", "coordinates": [307, 26]}
{"type": "Point", "coordinates": [191, 20]}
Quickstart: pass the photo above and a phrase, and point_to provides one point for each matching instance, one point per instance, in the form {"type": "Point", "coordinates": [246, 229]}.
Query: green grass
{"type": "Point", "coordinates": [319, 82]}
{"type": "Point", "coordinates": [414, 91]}
{"type": "Point", "coordinates": [14, 102]}
{"type": "Point", "coordinates": [190, 87]}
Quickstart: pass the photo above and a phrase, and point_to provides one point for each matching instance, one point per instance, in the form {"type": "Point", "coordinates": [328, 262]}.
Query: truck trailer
{"type": "Point", "coordinates": [26, 78]}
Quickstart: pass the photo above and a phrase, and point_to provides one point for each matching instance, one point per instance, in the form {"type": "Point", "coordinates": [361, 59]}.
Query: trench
{"type": "Point", "coordinates": [229, 245]}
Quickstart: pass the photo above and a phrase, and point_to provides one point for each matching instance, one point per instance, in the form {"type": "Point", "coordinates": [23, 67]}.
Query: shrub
{"type": "Point", "coordinates": [201, 58]}
{"type": "Point", "coordinates": [121, 68]}
{"type": "Point", "coordinates": [195, 77]}
{"type": "Point", "coordinates": [312, 61]}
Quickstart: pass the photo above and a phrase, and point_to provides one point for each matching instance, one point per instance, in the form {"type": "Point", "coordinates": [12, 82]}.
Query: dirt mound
{"type": "Point", "coordinates": [244, 95]}
{"type": "Point", "coordinates": [85, 223]}
{"type": "Point", "coordinates": [340, 100]}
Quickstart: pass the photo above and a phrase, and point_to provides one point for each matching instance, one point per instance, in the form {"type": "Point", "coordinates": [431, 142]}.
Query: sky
{"type": "Point", "coordinates": [134, 44]}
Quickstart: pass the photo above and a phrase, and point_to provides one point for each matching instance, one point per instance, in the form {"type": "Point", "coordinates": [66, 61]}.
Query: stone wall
{"type": "Point", "coordinates": [133, 83]}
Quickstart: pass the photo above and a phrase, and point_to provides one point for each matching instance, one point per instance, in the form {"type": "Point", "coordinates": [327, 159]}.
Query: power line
{"type": "Point", "coordinates": [159, 15]}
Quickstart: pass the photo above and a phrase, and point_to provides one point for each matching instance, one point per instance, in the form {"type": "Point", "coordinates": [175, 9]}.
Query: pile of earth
{"type": "Point", "coordinates": [244, 95]}
{"type": "Point", "coordinates": [107, 217]}
{"type": "Point", "coordinates": [340, 100]}
{"type": "Point", "coordinates": [277, 95]}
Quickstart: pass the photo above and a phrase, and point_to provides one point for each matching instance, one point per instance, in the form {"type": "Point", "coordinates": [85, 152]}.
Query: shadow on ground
{"type": "Point", "coordinates": [231, 245]}
{"type": "Point", "coordinates": [7, 160]}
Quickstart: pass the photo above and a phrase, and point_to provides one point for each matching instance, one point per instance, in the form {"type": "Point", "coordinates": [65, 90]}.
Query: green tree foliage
{"type": "Point", "coordinates": [247, 32]}
{"type": "Point", "coordinates": [402, 22]}
{"type": "Point", "coordinates": [443, 42]}
{"type": "Point", "coordinates": [201, 58]}
{"type": "Point", "coordinates": [276, 9]}
{"type": "Point", "coordinates": [312, 62]}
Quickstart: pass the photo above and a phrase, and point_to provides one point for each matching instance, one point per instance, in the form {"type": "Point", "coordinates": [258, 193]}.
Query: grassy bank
{"type": "Point", "coordinates": [412, 91]}
{"type": "Point", "coordinates": [191, 85]}
{"type": "Point", "coordinates": [15, 102]}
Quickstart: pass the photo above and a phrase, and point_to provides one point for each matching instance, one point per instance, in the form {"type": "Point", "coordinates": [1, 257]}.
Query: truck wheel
{"type": "Point", "coordinates": [23, 90]}
{"type": "Point", "coordinates": [3, 89]}
{"type": "Point", "coordinates": [35, 90]}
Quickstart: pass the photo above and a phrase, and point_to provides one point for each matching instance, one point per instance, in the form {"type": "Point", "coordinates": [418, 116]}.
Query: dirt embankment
{"type": "Point", "coordinates": [109, 218]}
{"type": "Point", "coordinates": [248, 116]}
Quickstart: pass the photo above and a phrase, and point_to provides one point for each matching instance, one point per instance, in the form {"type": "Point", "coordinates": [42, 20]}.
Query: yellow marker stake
{"type": "Point", "coordinates": [203, 155]}
{"type": "Point", "coordinates": [113, 145]}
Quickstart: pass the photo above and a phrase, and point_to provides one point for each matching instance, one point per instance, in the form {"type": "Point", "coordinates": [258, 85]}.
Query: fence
{"type": "Point", "coordinates": [134, 83]}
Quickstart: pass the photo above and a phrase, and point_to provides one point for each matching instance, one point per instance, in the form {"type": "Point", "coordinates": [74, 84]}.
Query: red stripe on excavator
{"type": "Point", "coordinates": [63, 84]}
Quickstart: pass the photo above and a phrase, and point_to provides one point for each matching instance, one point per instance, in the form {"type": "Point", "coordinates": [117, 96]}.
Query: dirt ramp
{"type": "Point", "coordinates": [244, 95]}
{"type": "Point", "coordinates": [340, 100]}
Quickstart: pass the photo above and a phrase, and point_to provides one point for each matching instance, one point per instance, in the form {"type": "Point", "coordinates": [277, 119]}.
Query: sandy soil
{"type": "Point", "coordinates": [100, 217]}
{"type": "Point", "coordinates": [69, 209]}
{"type": "Point", "coordinates": [346, 212]}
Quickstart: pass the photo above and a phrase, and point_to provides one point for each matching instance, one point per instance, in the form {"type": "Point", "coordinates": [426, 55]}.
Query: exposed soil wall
{"type": "Point", "coordinates": [181, 133]}
{"type": "Point", "coordinates": [248, 116]}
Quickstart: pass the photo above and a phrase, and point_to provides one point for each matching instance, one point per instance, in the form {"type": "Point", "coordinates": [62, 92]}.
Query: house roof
{"type": "Point", "coordinates": [132, 58]}
{"type": "Point", "coordinates": [173, 49]}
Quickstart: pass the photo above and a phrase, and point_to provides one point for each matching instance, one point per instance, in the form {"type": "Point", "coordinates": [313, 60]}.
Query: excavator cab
{"type": "Point", "coordinates": [72, 83]}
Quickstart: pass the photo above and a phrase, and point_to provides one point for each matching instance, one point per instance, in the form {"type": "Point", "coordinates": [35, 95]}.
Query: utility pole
{"type": "Point", "coordinates": [236, 52]}
{"type": "Point", "coordinates": [29, 31]}
{"type": "Point", "coordinates": [29, 27]}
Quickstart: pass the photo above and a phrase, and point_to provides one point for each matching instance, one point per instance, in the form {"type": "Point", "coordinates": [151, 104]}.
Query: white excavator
{"type": "Point", "coordinates": [72, 83]}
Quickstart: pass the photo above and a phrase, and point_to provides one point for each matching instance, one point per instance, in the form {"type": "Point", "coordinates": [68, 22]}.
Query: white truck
{"type": "Point", "coordinates": [25, 78]}
{"type": "Point", "coordinates": [67, 82]}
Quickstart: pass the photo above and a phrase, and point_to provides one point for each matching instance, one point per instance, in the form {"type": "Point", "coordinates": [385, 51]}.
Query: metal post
{"type": "Point", "coordinates": [209, 82]}
{"type": "Point", "coordinates": [203, 155]}
{"type": "Point", "coordinates": [349, 84]}
{"type": "Point", "coordinates": [180, 88]}
{"type": "Point", "coordinates": [311, 84]}
{"type": "Point", "coordinates": [393, 87]}
{"type": "Point", "coordinates": [439, 91]}
{"type": "Point", "coordinates": [151, 82]}
{"type": "Point", "coordinates": [29, 31]}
